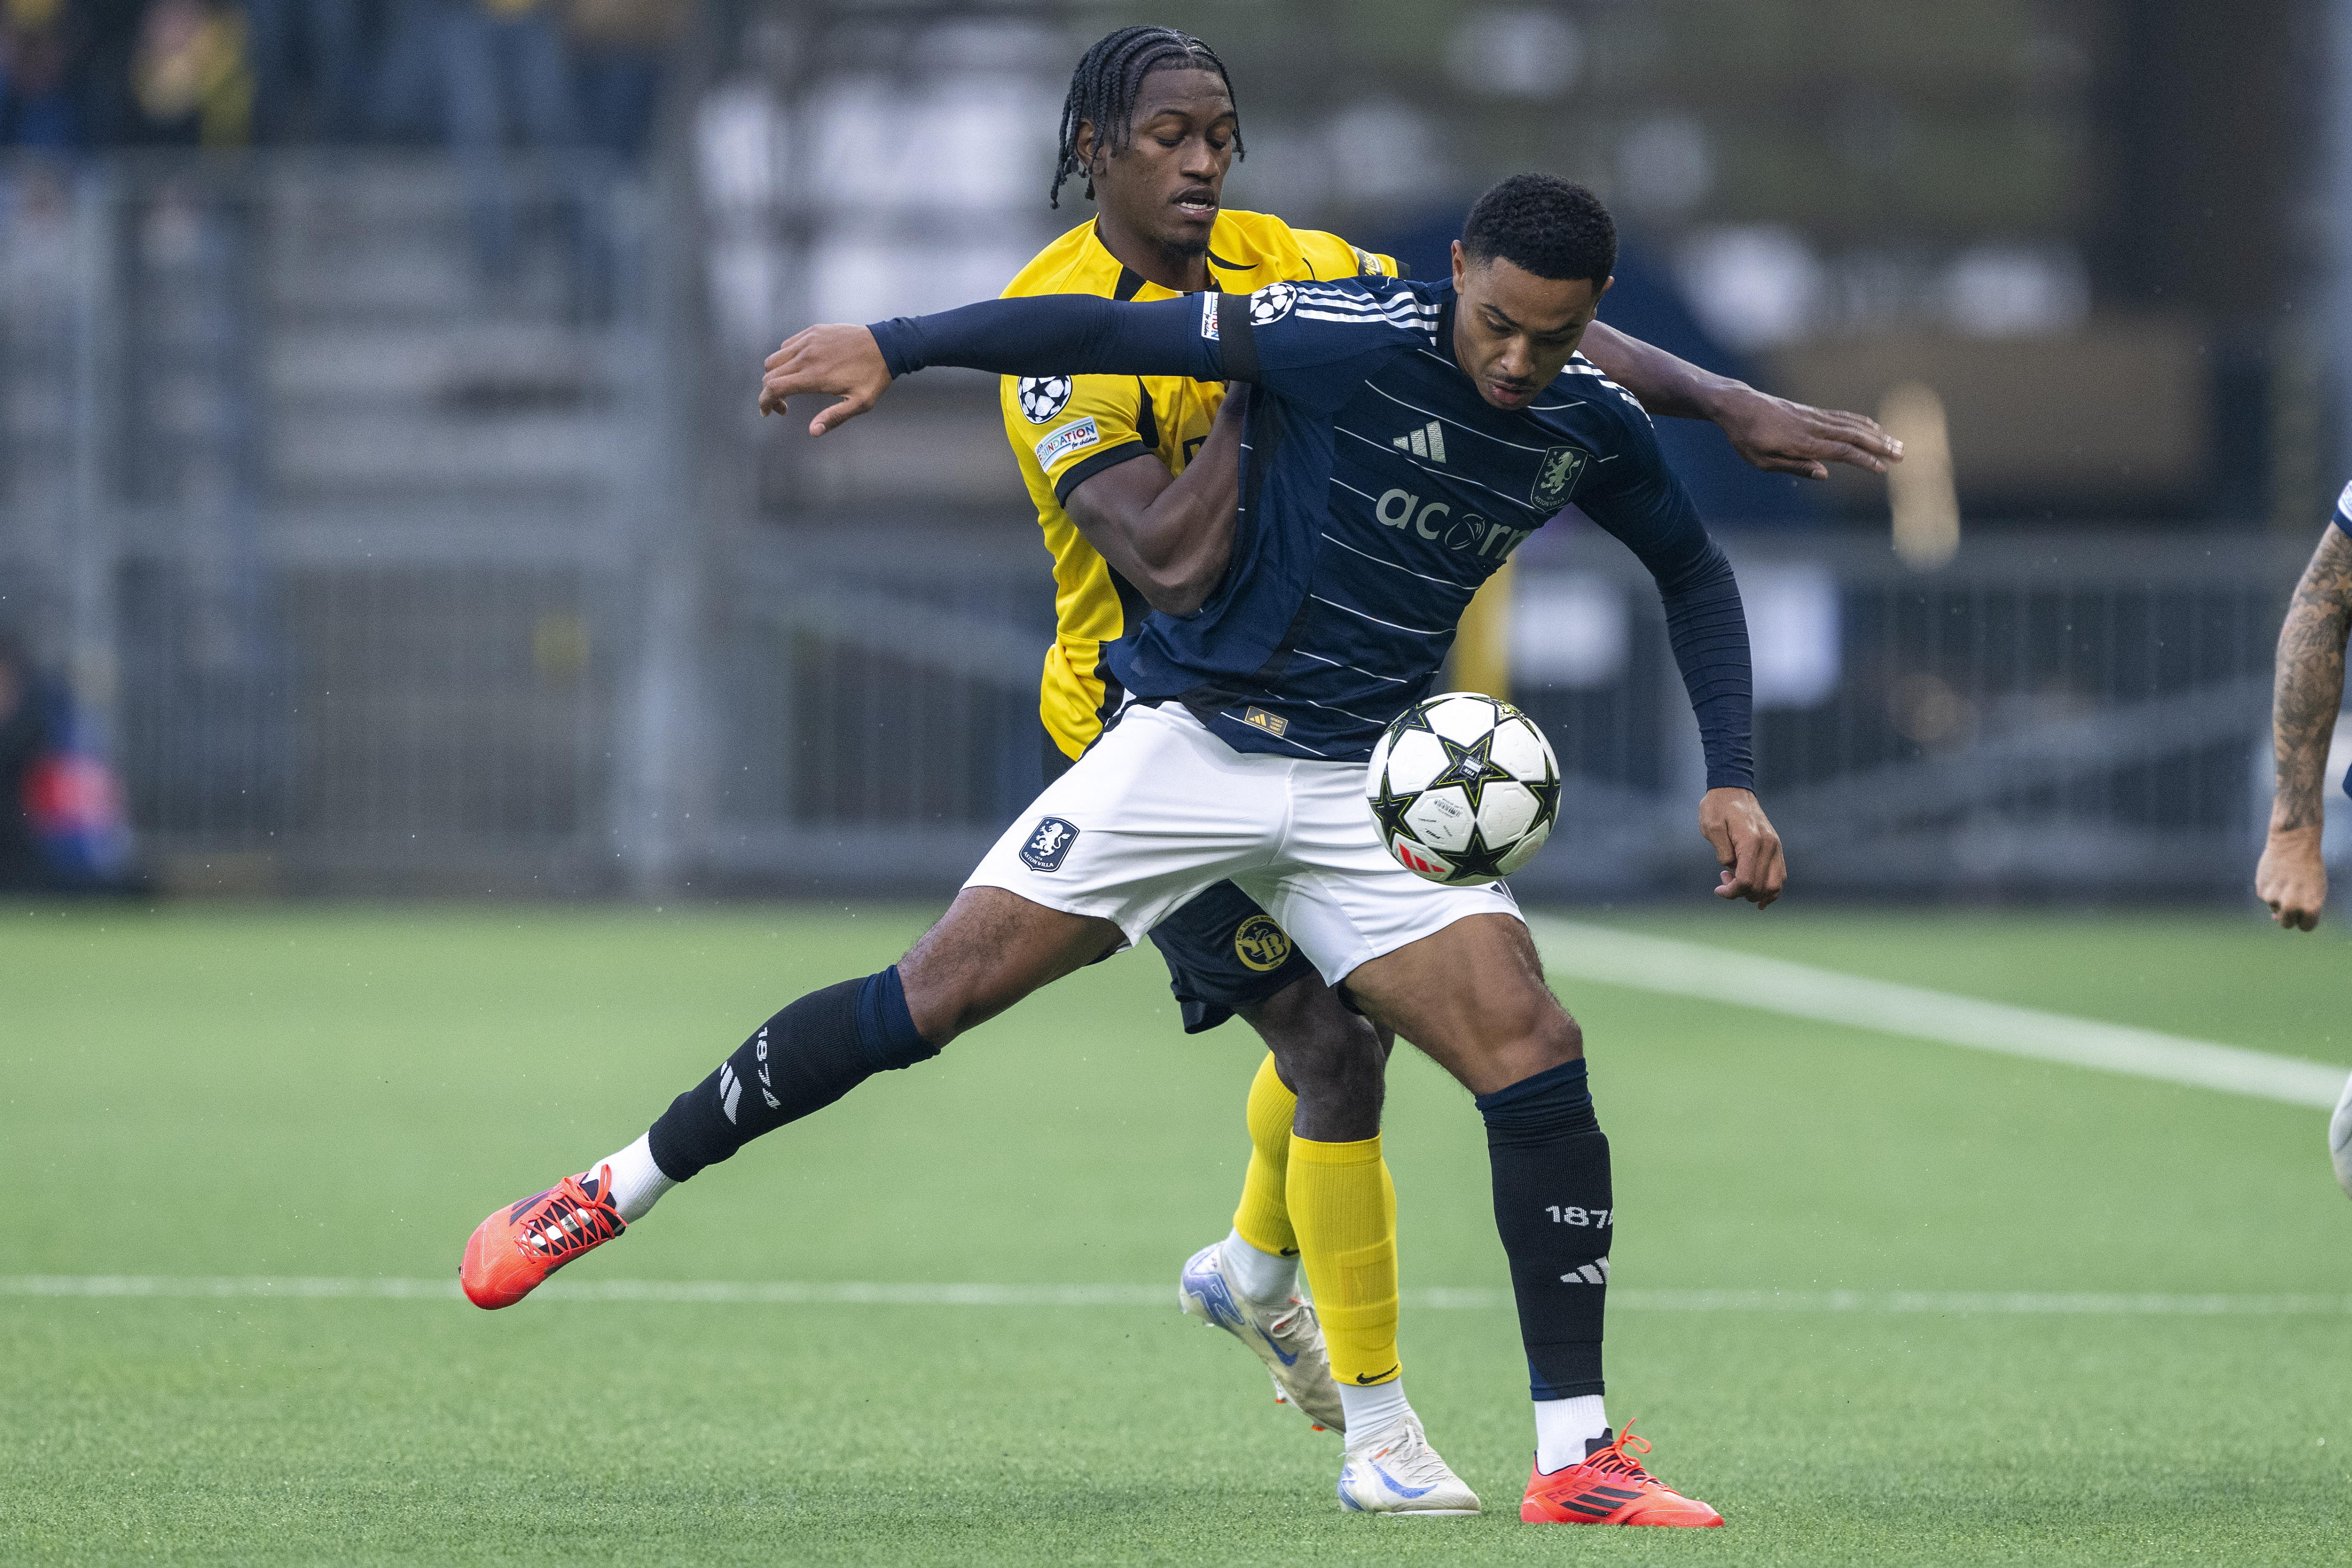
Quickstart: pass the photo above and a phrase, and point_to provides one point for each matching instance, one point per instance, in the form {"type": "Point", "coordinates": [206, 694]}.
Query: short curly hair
{"type": "Point", "coordinates": [1552, 227]}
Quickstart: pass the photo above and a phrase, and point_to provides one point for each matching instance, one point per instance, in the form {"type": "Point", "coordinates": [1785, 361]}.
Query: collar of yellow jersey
{"type": "Point", "coordinates": [1132, 282]}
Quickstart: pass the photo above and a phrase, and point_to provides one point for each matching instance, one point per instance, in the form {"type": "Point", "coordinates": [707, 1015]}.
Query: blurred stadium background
{"type": "Point", "coordinates": [383, 514]}
{"type": "Point", "coordinates": [383, 507]}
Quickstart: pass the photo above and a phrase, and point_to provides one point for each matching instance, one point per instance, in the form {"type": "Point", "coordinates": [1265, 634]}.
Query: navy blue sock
{"type": "Point", "coordinates": [800, 1060]}
{"type": "Point", "coordinates": [1553, 1208]}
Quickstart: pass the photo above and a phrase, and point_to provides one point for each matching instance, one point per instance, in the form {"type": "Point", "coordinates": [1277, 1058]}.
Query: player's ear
{"type": "Point", "coordinates": [1082, 145]}
{"type": "Point", "coordinates": [1606, 284]}
{"type": "Point", "coordinates": [1461, 266]}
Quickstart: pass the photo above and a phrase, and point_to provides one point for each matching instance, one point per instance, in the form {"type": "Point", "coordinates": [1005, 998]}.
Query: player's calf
{"type": "Point", "coordinates": [1332, 1060]}
{"type": "Point", "coordinates": [1555, 1212]}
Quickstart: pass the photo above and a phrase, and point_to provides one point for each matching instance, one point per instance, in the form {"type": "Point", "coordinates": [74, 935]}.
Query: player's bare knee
{"type": "Point", "coordinates": [1564, 1036]}
{"type": "Point", "coordinates": [1330, 1056]}
{"type": "Point", "coordinates": [988, 952]}
{"type": "Point", "coordinates": [1518, 1038]}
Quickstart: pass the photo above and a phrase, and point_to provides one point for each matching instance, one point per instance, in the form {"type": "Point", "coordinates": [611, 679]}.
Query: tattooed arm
{"type": "Point", "coordinates": [2309, 688]}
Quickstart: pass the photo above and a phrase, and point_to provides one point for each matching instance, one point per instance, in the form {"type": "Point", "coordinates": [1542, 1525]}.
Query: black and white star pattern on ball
{"type": "Point", "coordinates": [1043, 397]}
{"type": "Point", "coordinates": [1389, 808]}
{"type": "Point", "coordinates": [1473, 768]}
{"type": "Point", "coordinates": [1518, 792]}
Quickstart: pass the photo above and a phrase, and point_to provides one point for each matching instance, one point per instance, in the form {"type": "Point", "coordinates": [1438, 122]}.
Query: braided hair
{"type": "Point", "coordinates": [1103, 90]}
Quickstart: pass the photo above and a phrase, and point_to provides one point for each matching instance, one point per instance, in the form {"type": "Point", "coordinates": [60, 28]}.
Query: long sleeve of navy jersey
{"type": "Point", "coordinates": [1062, 334]}
{"type": "Point", "coordinates": [1707, 626]}
{"type": "Point", "coordinates": [1082, 334]}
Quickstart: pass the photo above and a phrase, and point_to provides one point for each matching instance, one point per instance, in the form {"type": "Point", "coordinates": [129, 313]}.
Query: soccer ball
{"type": "Point", "coordinates": [1464, 788]}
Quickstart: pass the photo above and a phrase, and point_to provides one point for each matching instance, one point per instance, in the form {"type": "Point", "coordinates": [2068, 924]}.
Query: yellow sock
{"type": "Point", "coordinates": [1263, 1218]}
{"type": "Point", "coordinates": [1344, 1208]}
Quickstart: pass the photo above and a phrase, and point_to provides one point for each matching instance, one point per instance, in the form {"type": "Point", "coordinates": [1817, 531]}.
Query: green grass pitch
{"type": "Point", "coordinates": [323, 1091]}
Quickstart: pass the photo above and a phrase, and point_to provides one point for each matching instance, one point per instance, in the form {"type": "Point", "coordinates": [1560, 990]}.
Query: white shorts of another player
{"type": "Point", "coordinates": [1161, 810]}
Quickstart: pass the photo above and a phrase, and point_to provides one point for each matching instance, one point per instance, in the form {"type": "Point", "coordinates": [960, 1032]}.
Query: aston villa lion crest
{"type": "Point", "coordinates": [1556, 475]}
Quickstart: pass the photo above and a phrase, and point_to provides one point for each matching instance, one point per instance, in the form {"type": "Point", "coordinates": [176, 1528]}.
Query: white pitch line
{"type": "Point", "coordinates": [793, 1293]}
{"type": "Point", "coordinates": [1775, 985]}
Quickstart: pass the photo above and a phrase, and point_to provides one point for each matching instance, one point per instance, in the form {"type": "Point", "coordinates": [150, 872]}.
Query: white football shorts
{"type": "Point", "coordinates": [1159, 809]}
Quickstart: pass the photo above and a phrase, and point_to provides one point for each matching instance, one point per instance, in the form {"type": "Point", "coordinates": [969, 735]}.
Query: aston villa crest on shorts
{"type": "Point", "coordinates": [1049, 844]}
{"type": "Point", "coordinates": [1556, 477]}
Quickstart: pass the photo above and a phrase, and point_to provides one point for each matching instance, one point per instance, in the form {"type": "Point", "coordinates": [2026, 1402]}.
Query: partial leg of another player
{"type": "Point", "coordinates": [1317, 1192]}
{"type": "Point", "coordinates": [2339, 1139]}
{"type": "Point", "coordinates": [1325, 1204]}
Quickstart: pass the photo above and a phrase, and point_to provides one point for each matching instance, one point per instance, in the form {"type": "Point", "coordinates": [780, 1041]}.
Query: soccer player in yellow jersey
{"type": "Point", "coordinates": [1149, 125]}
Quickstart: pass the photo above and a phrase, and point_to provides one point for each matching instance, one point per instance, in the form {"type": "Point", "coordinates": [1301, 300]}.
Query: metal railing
{"type": "Point", "coordinates": [2070, 714]}
{"type": "Point", "coordinates": [340, 532]}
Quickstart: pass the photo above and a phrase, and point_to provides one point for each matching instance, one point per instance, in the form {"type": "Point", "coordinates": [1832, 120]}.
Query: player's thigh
{"type": "Point", "coordinates": [1340, 894]}
{"type": "Point", "coordinates": [1157, 810]}
{"type": "Point", "coordinates": [1225, 955]}
{"type": "Point", "coordinates": [1473, 997]}
{"type": "Point", "coordinates": [989, 951]}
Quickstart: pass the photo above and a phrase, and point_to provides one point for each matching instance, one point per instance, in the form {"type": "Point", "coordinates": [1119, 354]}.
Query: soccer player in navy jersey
{"type": "Point", "coordinates": [1286, 633]}
{"type": "Point", "coordinates": [1150, 131]}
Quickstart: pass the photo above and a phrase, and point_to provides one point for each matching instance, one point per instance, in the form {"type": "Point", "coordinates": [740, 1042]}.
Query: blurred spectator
{"type": "Point", "coordinates": [616, 51]}
{"type": "Point", "coordinates": [61, 819]}
{"type": "Point", "coordinates": [21, 745]}
{"type": "Point", "coordinates": [189, 75]}
{"type": "Point", "coordinates": [306, 69]}
{"type": "Point", "coordinates": [404, 93]}
{"type": "Point", "coordinates": [39, 52]}
{"type": "Point", "coordinates": [504, 72]}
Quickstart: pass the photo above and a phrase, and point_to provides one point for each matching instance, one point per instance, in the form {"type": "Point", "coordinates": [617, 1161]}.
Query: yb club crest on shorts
{"type": "Point", "coordinates": [1556, 477]}
{"type": "Point", "coordinates": [1261, 944]}
{"type": "Point", "coordinates": [1049, 844]}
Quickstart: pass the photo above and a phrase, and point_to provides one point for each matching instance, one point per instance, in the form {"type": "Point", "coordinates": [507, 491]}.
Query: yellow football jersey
{"type": "Point", "coordinates": [1065, 429]}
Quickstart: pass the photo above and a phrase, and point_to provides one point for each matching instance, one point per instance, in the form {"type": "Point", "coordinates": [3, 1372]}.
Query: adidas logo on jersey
{"type": "Point", "coordinates": [1429, 441]}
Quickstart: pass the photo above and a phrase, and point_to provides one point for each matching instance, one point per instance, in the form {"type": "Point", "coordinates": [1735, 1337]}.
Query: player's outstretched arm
{"type": "Point", "coordinates": [1772, 432]}
{"type": "Point", "coordinates": [2307, 689]}
{"type": "Point", "coordinates": [1745, 845]}
{"type": "Point", "coordinates": [1172, 537]}
{"type": "Point", "coordinates": [1039, 335]}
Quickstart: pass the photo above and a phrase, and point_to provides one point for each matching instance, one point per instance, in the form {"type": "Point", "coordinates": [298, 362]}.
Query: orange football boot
{"type": "Point", "coordinates": [1611, 1487]}
{"type": "Point", "coordinates": [515, 1248]}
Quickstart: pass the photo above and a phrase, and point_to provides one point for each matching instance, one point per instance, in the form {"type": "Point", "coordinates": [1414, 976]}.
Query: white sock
{"type": "Point", "coordinates": [1562, 1428]}
{"type": "Point", "coordinates": [637, 1182]}
{"type": "Point", "coordinates": [1368, 1410]}
{"type": "Point", "coordinates": [1267, 1279]}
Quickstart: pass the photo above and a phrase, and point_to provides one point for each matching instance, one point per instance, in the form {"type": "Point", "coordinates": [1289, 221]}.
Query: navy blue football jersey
{"type": "Point", "coordinates": [1377, 490]}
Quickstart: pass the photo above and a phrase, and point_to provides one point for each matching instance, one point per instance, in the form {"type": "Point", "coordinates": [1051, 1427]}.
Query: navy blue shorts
{"type": "Point", "coordinates": [1222, 950]}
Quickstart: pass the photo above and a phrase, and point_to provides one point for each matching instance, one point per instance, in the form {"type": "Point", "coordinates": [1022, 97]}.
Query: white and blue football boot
{"type": "Point", "coordinates": [1394, 1470]}
{"type": "Point", "coordinates": [1289, 1341]}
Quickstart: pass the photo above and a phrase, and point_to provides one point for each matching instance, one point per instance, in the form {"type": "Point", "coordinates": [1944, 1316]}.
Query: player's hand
{"type": "Point", "coordinates": [2292, 879]}
{"type": "Point", "coordinates": [1784, 437]}
{"type": "Point", "coordinates": [834, 360]}
{"type": "Point", "coordinates": [1745, 846]}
